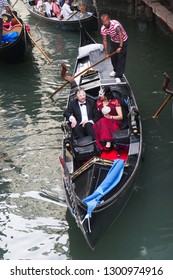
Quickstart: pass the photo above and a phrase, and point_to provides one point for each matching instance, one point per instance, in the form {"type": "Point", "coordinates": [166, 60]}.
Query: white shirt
{"type": "Point", "coordinates": [84, 113]}
{"type": "Point", "coordinates": [39, 5]}
{"type": "Point", "coordinates": [48, 8]}
{"type": "Point", "coordinates": [66, 11]}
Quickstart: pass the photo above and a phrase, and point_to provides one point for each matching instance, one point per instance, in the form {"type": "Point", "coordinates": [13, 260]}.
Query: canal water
{"type": "Point", "coordinates": [34, 221]}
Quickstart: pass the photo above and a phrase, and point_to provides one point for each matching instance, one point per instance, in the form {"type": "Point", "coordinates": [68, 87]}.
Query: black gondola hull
{"type": "Point", "coordinates": [104, 214]}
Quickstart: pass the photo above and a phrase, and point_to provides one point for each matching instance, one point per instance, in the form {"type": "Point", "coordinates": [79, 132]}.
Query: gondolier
{"type": "Point", "coordinates": [118, 42]}
{"type": "Point", "coordinates": [3, 4]}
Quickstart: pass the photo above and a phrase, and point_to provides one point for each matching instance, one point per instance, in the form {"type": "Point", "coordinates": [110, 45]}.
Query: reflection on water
{"type": "Point", "coordinates": [33, 212]}
{"type": "Point", "coordinates": [32, 206]}
{"type": "Point", "coordinates": [48, 235]}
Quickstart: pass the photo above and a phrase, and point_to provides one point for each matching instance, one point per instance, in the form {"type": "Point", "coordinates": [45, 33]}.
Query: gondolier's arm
{"type": "Point", "coordinates": [105, 45]}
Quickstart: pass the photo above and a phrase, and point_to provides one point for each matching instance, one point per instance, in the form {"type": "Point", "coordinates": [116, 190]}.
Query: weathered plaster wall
{"type": "Point", "coordinates": [143, 9]}
{"type": "Point", "coordinates": [126, 7]}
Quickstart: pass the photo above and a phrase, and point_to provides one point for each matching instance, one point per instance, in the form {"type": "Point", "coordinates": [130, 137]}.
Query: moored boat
{"type": "Point", "coordinates": [98, 184]}
{"type": "Point", "coordinates": [88, 19]}
{"type": "Point", "coordinates": [15, 40]}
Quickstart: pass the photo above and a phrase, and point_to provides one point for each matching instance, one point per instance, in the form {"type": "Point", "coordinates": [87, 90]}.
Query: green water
{"type": "Point", "coordinates": [33, 213]}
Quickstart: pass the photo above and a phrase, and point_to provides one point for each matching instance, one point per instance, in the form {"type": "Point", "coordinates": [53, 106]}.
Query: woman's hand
{"type": "Point", "coordinates": [108, 116]}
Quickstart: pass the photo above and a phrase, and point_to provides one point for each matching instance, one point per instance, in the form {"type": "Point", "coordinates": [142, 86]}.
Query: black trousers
{"type": "Point", "coordinates": [80, 131]}
{"type": "Point", "coordinates": [0, 30]}
{"type": "Point", "coordinates": [119, 60]}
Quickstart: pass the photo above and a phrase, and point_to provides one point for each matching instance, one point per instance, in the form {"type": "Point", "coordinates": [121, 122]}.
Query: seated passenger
{"type": "Point", "coordinates": [66, 10]}
{"type": "Point", "coordinates": [83, 8]}
{"type": "Point", "coordinates": [75, 5]}
{"type": "Point", "coordinates": [82, 114]}
{"type": "Point", "coordinates": [111, 118]}
{"type": "Point", "coordinates": [40, 6]}
{"type": "Point", "coordinates": [48, 9]}
{"type": "Point", "coordinates": [56, 9]}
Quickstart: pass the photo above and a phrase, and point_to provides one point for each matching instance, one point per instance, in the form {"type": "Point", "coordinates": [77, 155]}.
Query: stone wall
{"type": "Point", "coordinates": [125, 7]}
{"type": "Point", "coordinates": [145, 10]}
{"type": "Point", "coordinates": [137, 9]}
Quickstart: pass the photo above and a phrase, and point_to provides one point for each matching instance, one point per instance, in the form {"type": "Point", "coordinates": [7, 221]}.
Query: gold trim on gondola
{"type": "Point", "coordinates": [89, 164]}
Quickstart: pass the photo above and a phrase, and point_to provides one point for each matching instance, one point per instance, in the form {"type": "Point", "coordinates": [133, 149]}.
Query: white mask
{"type": "Point", "coordinates": [101, 92]}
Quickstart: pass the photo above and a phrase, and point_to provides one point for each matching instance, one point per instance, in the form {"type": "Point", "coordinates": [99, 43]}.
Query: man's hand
{"type": "Point", "coordinates": [107, 55]}
{"type": "Point", "coordinates": [118, 50]}
{"type": "Point", "coordinates": [73, 122]}
{"type": "Point", "coordinates": [83, 124]}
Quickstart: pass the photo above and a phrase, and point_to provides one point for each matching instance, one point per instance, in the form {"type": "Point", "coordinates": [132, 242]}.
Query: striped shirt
{"type": "Point", "coordinates": [111, 31]}
{"type": "Point", "coordinates": [3, 3]}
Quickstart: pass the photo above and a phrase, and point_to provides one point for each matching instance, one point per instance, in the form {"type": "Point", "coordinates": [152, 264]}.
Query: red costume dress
{"type": "Point", "coordinates": [104, 128]}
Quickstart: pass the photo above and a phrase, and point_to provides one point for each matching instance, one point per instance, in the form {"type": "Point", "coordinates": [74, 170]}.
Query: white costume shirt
{"type": "Point", "coordinates": [66, 11]}
{"type": "Point", "coordinates": [48, 8]}
{"type": "Point", "coordinates": [84, 113]}
{"type": "Point", "coordinates": [39, 5]}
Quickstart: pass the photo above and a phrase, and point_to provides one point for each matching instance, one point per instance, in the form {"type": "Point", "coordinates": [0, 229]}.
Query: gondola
{"type": "Point", "coordinates": [15, 40]}
{"type": "Point", "coordinates": [98, 185]}
{"type": "Point", "coordinates": [88, 19]}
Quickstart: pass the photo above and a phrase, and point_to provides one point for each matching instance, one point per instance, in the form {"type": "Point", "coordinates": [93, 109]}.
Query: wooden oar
{"type": "Point", "coordinates": [14, 4]}
{"type": "Point", "coordinates": [35, 43]}
{"type": "Point", "coordinates": [167, 90]}
{"type": "Point", "coordinates": [91, 66]}
{"type": "Point", "coordinates": [71, 15]}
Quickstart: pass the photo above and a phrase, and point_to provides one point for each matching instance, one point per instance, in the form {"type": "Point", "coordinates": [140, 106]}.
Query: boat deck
{"type": "Point", "coordinates": [103, 69]}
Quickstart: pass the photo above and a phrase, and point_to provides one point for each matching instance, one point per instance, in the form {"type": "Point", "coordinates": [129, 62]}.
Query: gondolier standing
{"type": "Point", "coordinates": [3, 4]}
{"type": "Point", "coordinates": [118, 42]}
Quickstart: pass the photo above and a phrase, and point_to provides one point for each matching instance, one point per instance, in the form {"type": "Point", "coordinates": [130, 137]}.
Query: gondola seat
{"type": "Point", "coordinates": [85, 148]}
{"type": "Point", "coordinates": [121, 139]}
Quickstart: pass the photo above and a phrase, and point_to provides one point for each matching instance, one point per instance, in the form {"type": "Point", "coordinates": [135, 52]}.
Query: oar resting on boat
{"type": "Point", "coordinates": [111, 181]}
